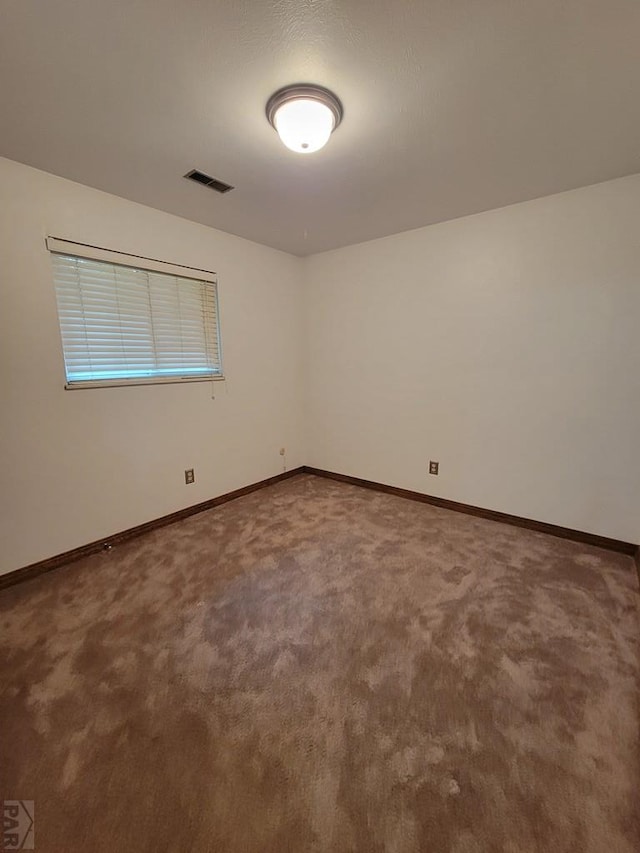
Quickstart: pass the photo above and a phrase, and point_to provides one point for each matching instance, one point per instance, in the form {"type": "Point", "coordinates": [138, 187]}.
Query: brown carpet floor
{"type": "Point", "coordinates": [317, 667]}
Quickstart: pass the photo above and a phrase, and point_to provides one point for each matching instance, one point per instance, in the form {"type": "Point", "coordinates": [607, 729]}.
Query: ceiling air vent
{"type": "Point", "coordinates": [208, 181]}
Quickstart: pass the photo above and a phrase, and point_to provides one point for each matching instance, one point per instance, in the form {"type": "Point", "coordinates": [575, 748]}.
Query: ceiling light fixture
{"type": "Point", "coordinates": [305, 116]}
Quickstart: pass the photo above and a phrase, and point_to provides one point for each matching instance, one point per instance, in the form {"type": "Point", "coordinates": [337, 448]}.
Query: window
{"type": "Point", "coordinates": [127, 320]}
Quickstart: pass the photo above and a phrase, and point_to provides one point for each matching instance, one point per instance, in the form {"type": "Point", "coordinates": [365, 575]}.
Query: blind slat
{"type": "Point", "coordinates": [122, 323]}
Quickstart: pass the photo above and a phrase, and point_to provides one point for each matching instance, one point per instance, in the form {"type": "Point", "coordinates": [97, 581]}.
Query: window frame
{"type": "Point", "coordinates": [69, 248]}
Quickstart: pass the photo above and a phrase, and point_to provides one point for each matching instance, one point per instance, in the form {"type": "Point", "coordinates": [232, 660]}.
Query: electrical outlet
{"type": "Point", "coordinates": [433, 467]}
{"type": "Point", "coordinates": [189, 476]}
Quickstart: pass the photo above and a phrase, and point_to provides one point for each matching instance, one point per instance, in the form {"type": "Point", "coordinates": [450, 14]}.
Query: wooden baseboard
{"type": "Point", "coordinates": [539, 526]}
{"type": "Point", "coordinates": [39, 568]}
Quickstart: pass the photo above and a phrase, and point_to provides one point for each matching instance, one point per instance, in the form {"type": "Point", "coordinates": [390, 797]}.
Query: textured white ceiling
{"type": "Point", "coordinates": [451, 106]}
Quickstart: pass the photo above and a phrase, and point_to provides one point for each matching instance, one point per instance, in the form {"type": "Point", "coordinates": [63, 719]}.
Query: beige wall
{"type": "Point", "coordinates": [504, 345]}
{"type": "Point", "coordinates": [76, 466]}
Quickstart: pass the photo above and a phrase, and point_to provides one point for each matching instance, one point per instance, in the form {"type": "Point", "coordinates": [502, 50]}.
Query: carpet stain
{"type": "Point", "coordinates": [318, 667]}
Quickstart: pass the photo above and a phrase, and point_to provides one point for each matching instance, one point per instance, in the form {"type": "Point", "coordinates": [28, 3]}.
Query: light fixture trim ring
{"type": "Point", "coordinates": [306, 91]}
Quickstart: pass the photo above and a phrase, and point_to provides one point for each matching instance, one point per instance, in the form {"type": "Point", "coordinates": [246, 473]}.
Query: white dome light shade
{"type": "Point", "coordinates": [304, 126]}
{"type": "Point", "coordinates": [304, 116]}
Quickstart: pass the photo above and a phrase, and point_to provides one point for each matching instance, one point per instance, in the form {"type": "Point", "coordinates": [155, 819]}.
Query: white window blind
{"type": "Point", "coordinates": [123, 324]}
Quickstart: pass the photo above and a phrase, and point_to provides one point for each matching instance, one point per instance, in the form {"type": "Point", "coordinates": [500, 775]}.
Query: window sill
{"type": "Point", "coordinates": [154, 380]}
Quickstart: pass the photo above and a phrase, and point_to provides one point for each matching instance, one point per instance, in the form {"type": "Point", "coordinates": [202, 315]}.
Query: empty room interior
{"type": "Point", "coordinates": [320, 426]}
